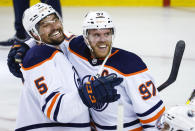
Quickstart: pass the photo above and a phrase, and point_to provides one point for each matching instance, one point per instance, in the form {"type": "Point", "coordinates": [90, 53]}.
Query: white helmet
{"type": "Point", "coordinates": [97, 20]}
{"type": "Point", "coordinates": [180, 118]}
{"type": "Point", "coordinates": [35, 14]}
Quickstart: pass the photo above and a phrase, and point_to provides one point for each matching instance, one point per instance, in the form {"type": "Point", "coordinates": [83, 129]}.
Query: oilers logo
{"type": "Point", "coordinates": [77, 79]}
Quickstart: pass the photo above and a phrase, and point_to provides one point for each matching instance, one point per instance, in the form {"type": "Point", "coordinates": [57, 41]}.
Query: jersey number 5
{"type": "Point", "coordinates": [147, 90]}
{"type": "Point", "coordinates": [42, 87]}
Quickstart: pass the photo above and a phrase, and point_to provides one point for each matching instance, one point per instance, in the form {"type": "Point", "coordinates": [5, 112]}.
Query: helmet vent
{"type": "Point", "coordinates": [33, 18]}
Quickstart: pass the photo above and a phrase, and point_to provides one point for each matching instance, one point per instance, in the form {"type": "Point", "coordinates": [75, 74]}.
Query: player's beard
{"type": "Point", "coordinates": [57, 41]}
{"type": "Point", "coordinates": [99, 54]}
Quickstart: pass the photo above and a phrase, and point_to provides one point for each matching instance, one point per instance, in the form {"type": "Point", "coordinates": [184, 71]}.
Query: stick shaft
{"type": "Point", "coordinates": [179, 50]}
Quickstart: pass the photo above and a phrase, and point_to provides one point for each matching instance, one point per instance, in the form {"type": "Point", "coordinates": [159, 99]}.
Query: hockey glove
{"type": "Point", "coordinates": [15, 56]}
{"type": "Point", "coordinates": [100, 90]}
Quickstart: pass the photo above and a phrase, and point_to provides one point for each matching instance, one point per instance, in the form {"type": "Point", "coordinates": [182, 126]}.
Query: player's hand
{"type": "Point", "coordinates": [100, 90]}
{"type": "Point", "coordinates": [15, 57]}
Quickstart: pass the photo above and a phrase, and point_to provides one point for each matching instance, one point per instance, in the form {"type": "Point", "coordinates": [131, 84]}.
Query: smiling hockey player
{"type": "Point", "coordinates": [92, 53]}
{"type": "Point", "coordinates": [53, 97]}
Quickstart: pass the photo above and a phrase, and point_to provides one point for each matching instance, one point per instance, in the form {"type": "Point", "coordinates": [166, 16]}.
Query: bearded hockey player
{"type": "Point", "coordinates": [92, 54]}
{"type": "Point", "coordinates": [53, 97]}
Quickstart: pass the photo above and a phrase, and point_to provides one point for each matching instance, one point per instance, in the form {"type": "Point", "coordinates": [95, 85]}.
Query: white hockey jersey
{"type": "Point", "coordinates": [142, 104]}
{"type": "Point", "coordinates": [50, 99]}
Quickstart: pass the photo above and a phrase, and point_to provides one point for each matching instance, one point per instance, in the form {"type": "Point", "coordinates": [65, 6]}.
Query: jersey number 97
{"type": "Point", "coordinates": [147, 90]}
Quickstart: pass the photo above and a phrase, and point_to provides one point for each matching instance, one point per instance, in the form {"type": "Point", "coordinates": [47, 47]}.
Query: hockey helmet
{"type": "Point", "coordinates": [35, 14]}
{"type": "Point", "coordinates": [179, 118]}
{"type": "Point", "coordinates": [97, 20]}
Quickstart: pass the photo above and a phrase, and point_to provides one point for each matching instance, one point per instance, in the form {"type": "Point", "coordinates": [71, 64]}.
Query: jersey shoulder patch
{"type": "Point", "coordinates": [126, 63]}
{"type": "Point", "coordinates": [37, 55]}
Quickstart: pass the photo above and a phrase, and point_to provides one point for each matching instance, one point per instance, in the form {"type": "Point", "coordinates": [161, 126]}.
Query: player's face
{"type": "Point", "coordinates": [100, 41]}
{"type": "Point", "coordinates": [51, 30]}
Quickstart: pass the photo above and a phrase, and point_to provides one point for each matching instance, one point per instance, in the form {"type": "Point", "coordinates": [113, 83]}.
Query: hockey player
{"type": "Point", "coordinates": [180, 117]}
{"type": "Point", "coordinates": [50, 100]}
{"type": "Point", "coordinates": [92, 53]}
{"type": "Point", "coordinates": [19, 7]}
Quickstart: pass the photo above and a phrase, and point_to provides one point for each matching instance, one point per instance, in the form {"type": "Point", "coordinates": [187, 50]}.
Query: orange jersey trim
{"type": "Point", "coordinates": [77, 54]}
{"type": "Point", "coordinates": [153, 118]}
{"type": "Point", "coordinates": [52, 104]}
{"type": "Point", "coordinates": [69, 38]}
{"type": "Point", "coordinates": [86, 58]}
{"type": "Point", "coordinates": [110, 66]}
{"type": "Point", "coordinates": [137, 129]}
{"type": "Point", "coordinates": [131, 74]}
{"type": "Point", "coordinates": [110, 55]}
{"type": "Point", "coordinates": [36, 65]}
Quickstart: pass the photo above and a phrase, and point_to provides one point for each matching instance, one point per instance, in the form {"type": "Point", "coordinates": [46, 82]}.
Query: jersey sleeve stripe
{"type": "Point", "coordinates": [49, 125]}
{"type": "Point", "coordinates": [153, 118]}
{"type": "Point", "coordinates": [150, 110]}
{"type": "Point", "coordinates": [148, 126]}
{"type": "Point", "coordinates": [114, 127]}
{"type": "Point", "coordinates": [126, 75]}
{"type": "Point", "coordinates": [137, 129]}
{"type": "Point", "coordinates": [57, 108]}
{"type": "Point", "coordinates": [52, 104]}
{"type": "Point", "coordinates": [77, 54]}
{"type": "Point", "coordinates": [51, 57]}
{"type": "Point", "coordinates": [47, 100]}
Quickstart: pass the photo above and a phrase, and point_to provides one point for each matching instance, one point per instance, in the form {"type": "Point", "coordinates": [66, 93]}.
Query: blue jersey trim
{"type": "Point", "coordinates": [37, 54]}
{"type": "Point", "coordinates": [124, 61]}
{"type": "Point", "coordinates": [44, 125]}
{"type": "Point", "coordinates": [148, 126]}
{"type": "Point", "coordinates": [150, 110]}
{"type": "Point", "coordinates": [47, 99]}
{"type": "Point", "coordinates": [57, 108]}
{"type": "Point", "coordinates": [132, 123]}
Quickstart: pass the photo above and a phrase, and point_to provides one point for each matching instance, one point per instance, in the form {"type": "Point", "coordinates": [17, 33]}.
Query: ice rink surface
{"type": "Point", "coordinates": [150, 32]}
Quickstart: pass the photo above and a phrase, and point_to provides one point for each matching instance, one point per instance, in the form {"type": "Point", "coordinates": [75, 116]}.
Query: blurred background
{"type": "Point", "coordinates": [149, 28]}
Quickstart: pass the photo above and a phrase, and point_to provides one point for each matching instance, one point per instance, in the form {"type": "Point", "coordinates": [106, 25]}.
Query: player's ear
{"type": "Point", "coordinates": [35, 36]}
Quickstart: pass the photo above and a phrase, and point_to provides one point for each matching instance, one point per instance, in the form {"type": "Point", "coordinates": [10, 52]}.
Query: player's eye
{"type": "Point", "coordinates": [107, 34]}
{"type": "Point", "coordinates": [96, 35]}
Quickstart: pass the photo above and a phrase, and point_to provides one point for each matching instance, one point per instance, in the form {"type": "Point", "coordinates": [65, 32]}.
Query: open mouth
{"type": "Point", "coordinates": [103, 46]}
{"type": "Point", "coordinates": [56, 34]}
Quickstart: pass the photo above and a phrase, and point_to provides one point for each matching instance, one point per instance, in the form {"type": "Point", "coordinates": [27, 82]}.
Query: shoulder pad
{"type": "Point", "coordinates": [77, 46]}
{"type": "Point", "coordinates": [37, 55]}
{"type": "Point", "coordinates": [68, 35]}
{"type": "Point", "coordinates": [126, 63]}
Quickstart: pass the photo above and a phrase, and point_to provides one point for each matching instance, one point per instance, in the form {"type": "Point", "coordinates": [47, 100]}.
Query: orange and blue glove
{"type": "Point", "coordinates": [96, 93]}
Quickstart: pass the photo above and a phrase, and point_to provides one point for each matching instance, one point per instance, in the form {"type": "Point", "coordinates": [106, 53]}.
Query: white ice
{"type": "Point", "coordinates": [150, 32]}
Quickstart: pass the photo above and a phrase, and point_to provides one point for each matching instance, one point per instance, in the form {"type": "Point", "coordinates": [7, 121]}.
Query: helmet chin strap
{"type": "Point", "coordinates": [87, 43]}
{"type": "Point", "coordinates": [102, 66]}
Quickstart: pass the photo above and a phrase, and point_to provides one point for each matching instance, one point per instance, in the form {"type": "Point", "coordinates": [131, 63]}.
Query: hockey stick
{"type": "Point", "coordinates": [191, 97]}
{"type": "Point", "coordinates": [179, 50]}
